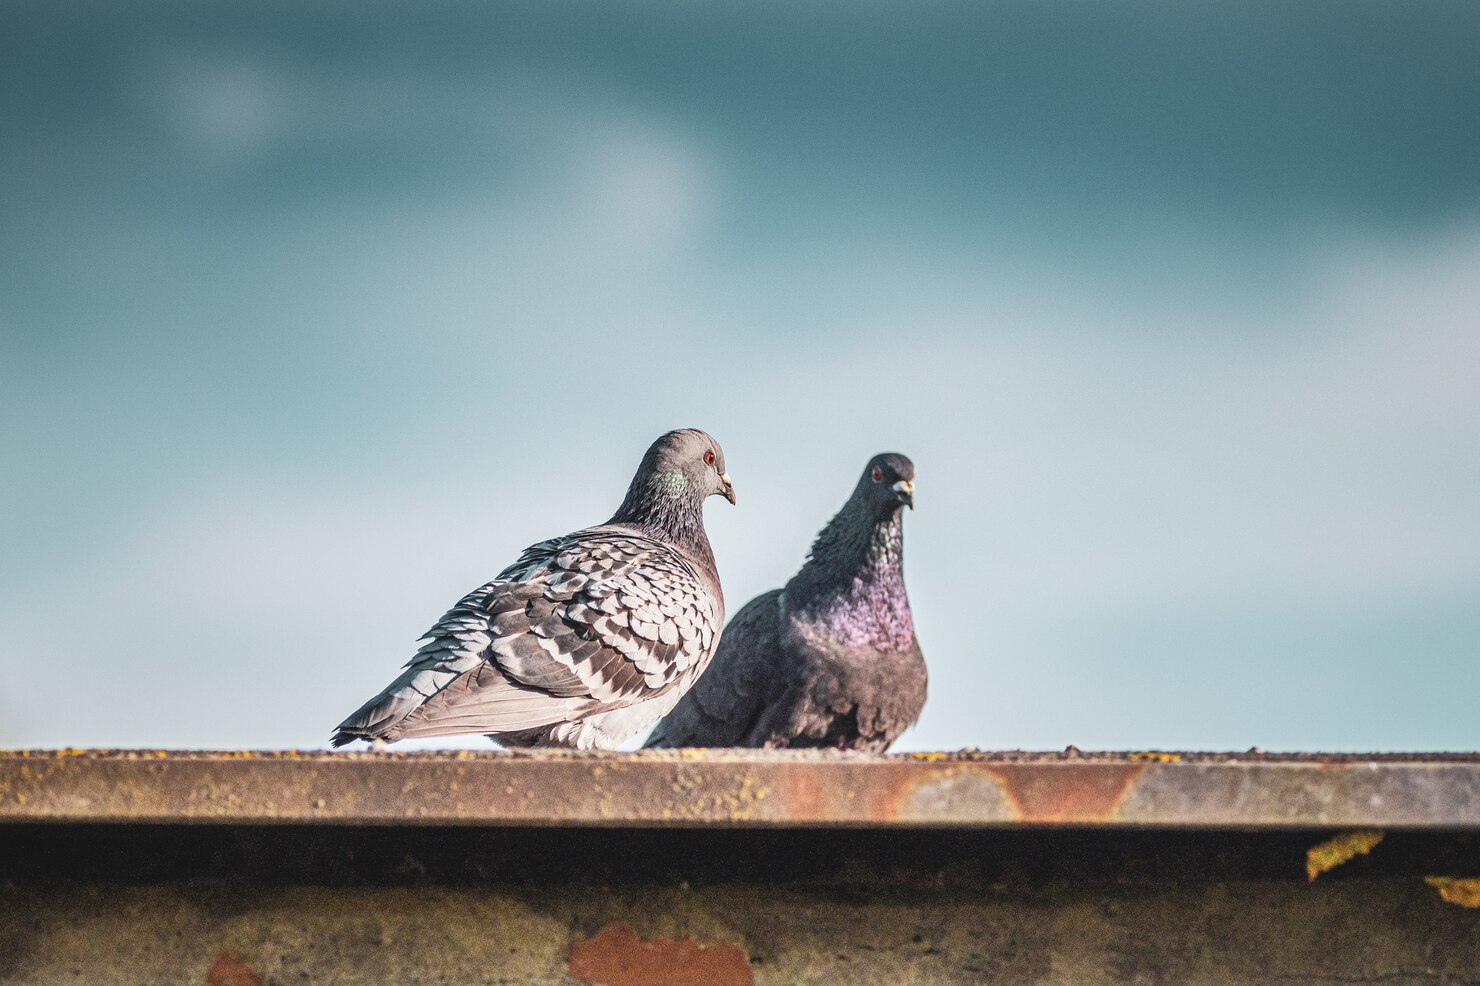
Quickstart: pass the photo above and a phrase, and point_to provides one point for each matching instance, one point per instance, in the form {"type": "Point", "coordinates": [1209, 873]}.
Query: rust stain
{"type": "Point", "coordinates": [1461, 890]}
{"type": "Point", "coordinates": [804, 794]}
{"type": "Point", "coordinates": [1338, 849]}
{"type": "Point", "coordinates": [231, 971]}
{"type": "Point", "coordinates": [618, 957]}
{"type": "Point", "coordinates": [1068, 792]}
{"type": "Point", "coordinates": [1057, 793]}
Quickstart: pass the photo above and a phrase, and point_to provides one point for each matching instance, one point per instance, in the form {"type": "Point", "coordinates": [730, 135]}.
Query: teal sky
{"type": "Point", "coordinates": [312, 316]}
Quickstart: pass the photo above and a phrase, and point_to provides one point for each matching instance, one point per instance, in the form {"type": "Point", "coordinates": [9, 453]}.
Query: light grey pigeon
{"type": "Point", "coordinates": [587, 639]}
{"type": "Point", "coordinates": [831, 660]}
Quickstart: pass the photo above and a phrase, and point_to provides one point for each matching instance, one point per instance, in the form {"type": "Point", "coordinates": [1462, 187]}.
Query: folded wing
{"type": "Point", "coordinates": [595, 621]}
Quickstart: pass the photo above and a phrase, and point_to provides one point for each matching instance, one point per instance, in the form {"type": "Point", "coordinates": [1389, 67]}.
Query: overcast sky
{"type": "Point", "coordinates": [313, 316]}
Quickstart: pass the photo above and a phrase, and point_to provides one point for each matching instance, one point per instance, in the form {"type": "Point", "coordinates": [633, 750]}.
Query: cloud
{"type": "Point", "coordinates": [309, 338]}
{"type": "Point", "coordinates": [1081, 487]}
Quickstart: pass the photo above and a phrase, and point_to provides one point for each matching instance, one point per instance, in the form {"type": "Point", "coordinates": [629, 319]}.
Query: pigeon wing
{"type": "Point", "coordinates": [595, 621]}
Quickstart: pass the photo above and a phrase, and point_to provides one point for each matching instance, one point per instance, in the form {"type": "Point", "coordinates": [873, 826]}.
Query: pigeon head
{"type": "Point", "coordinates": [887, 482]}
{"type": "Point", "coordinates": [677, 474]}
{"type": "Point", "coordinates": [688, 463]}
{"type": "Point", "coordinates": [852, 584]}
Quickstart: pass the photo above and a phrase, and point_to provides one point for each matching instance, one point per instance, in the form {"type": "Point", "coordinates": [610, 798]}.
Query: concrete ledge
{"type": "Point", "coordinates": [743, 789]}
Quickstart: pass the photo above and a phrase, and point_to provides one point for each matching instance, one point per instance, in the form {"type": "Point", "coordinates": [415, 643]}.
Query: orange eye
{"type": "Point", "coordinates": [709, 457]}
{"type": "Point", "coordinates": [877, 474]}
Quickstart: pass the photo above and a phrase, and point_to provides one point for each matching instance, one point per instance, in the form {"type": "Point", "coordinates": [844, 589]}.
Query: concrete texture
{"type": "Point", "coordinates": [257, 906]}
{"type": "Point", "coordinates": [744, 788]}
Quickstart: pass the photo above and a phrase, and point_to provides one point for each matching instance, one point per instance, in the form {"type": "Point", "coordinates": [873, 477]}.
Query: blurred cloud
{"type": "Point", "coordinates": [311, 319]}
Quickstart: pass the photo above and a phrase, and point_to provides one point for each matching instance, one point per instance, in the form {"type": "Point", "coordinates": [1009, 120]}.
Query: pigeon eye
{"type": "Point", "coordinates": [709, 457]}
{"type": "Point", "coordinates": [877, 474]}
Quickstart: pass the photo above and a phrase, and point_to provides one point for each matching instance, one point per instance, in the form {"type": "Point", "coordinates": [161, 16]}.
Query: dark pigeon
{"type": "Point", "coordinates": [831, 660]}
{"type": "Point", "coordinates": [587, 639]}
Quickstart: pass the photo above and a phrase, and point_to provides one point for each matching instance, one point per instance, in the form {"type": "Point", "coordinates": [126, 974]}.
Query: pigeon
{"type": "Point", "coordinates": [587, 639]}
{"type": "Point", "coordinates": [831, 660]}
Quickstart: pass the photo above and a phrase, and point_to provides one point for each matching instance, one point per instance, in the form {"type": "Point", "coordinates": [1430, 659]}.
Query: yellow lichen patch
{"type": "Point", "coordinates": [1155, 756]}
{"type": "Point", "coordinates": [929, 757]}
{"type": "Point", "coordinates": [1461, 890]}
{"type": "Point", "coordinates": [696, 794]}
{"type": "Point", "coordinates": [1338, 849]}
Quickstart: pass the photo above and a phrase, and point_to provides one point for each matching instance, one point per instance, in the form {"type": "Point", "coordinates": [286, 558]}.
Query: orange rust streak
{"type": "Point", "coordinates": [617, 957]}
{"type": "Point", "coordinates": [804, 795]}
{"type": "Point", "coordinates": [1067, 792]}
{"type": "Point", "coordinates": [843, 791]}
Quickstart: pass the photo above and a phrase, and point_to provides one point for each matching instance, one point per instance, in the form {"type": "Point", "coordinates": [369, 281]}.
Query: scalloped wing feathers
{"type": "Point", "coordinates": [593, 622]}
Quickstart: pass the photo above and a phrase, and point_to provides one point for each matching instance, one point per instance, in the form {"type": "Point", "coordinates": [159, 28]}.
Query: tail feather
{"type": "Point", "coordinates": [474, 702]}
{"type": "Point", "coordinates": [379, 717]}
{"type": "Point", "coordinates": [489, 704]}
{"type": "Point", "coordinates": [375, 719]}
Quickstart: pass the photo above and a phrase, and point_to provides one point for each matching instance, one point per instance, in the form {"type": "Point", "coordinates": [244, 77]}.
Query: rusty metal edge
{"type": "Point", "coordinates": [740, 789]}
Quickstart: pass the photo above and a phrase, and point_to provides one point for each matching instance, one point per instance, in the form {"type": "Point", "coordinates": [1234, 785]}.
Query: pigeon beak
{"type": "Point", "coordinates": [905, 491]}
{"type": "Point", "coordinates": [726, 490]}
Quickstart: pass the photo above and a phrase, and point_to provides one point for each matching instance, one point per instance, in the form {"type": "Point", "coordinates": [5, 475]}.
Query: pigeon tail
{"type": "Point", "coordinates": [377, 718]}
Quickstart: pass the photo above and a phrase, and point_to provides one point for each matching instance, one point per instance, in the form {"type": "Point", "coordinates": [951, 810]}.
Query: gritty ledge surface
{"type": "Point", "coordinates": [744, 788]}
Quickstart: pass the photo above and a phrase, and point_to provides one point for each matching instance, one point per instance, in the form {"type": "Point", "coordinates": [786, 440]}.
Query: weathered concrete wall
{"type": "Point", "coordinates": [145, 905]}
